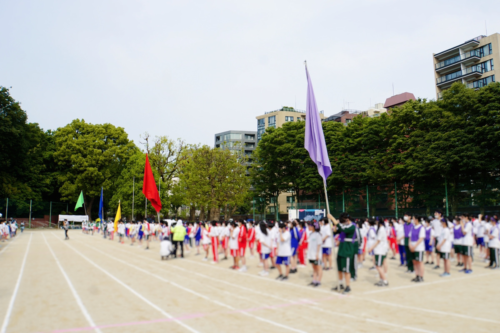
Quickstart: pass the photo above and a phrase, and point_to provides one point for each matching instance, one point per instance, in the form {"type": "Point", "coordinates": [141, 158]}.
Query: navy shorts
{"type": "Point", "coordinates": [265, 255]}
{"type": "Point", "coordinates": [197, 242]}
{"type": "Point", "coordinates": [294, 251]}
{"type": "Point", "coordinates": [480, 241]}
{"type": "Point", "coordinates": [428, 246]}
{"type": "Point", "coordinates": [283, 261]}
{"type": "Point", "coordinates": [327, 250]}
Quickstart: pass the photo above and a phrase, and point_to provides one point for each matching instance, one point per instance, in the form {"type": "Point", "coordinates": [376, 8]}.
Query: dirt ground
{"type": "Point", "coordinates": [93, 284]}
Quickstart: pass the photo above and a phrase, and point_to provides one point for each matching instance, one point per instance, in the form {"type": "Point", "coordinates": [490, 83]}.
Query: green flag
{"type": "Point", "coordinates": [79, 203]}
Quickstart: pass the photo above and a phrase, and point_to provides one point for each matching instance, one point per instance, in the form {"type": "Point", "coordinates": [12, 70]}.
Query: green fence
{"type": "Point", "coordinates": [472, 195]}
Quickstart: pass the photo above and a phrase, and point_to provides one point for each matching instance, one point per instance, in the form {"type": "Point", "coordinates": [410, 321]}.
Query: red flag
{"type": "Point", "coordinates": [149, 186]}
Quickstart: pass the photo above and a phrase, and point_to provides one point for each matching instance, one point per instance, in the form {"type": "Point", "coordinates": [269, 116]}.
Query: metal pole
{"type": "Point", "coordinates": [133, 198]}
{"type": "Point", "coordinates": [146, 208]}
{"type": "Point", "coordinates": [367, 203]}
{"type": "Point", "coordinates": [396, 198]}
{"type": "Point", "coordinates": [446, 192]}
{"type": "Point", "coordinates": [30, 214]}
{"type": "Point", "coordinates": [253, 202]}
{"type": "Point", "coordinates": [50, 215]}
{"type": "Point", "coordinates": [159, 194]}
{"type": "Point", "coordinates": [343, 200]}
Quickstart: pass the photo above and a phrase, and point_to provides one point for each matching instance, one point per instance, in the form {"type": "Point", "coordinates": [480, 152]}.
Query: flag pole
{"type": "Point", "coordinates": [159, 191]}
{"type": "Point", "coordinates": [133, 197]}
{"type": "Point", "coordinates": [85, 207]}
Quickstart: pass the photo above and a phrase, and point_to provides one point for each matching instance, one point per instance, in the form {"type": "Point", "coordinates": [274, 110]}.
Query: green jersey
{"type": "Point", "coordinates": [347, 232]}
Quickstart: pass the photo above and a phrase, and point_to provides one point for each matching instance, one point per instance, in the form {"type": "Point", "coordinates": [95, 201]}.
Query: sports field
{"type": "Point", "coordinates": [88, 283]}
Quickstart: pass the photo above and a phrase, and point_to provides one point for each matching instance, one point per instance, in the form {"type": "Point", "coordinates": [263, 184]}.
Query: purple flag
{"type": "Point", "coordinates": [315, 139]}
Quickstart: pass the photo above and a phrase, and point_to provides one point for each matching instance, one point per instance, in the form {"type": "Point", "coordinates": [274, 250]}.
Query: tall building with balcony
{"type": "Point", "coordinates": [236, 141]}
{"type": "Point", "coordinates": [277, 118]}
{"type": "Point", "coordinates": [472, 63]}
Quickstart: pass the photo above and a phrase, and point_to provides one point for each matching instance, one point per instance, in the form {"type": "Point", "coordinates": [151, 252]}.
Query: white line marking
{"type": "Point", "coordinates": [416, 285]}
{"type": "Point", "coordinates": [128, 288]}
{"type": "Point", "coordinates": [197, 294]}
{"type": "Point", "coordinates": [267, 295]}
{"type": "Point", "coordinates": [16, 288]}
{"type": "Point", "coordinates": [73, 290]}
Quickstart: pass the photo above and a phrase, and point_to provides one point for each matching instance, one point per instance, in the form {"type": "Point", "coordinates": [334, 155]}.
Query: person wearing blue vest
{"type": "Point", "coordinates": [197, 237]}
{"type": "Point", "coordinates": [467, 242]}
{"type": "Point", "coordinates": [408, 226]}
{"type": "Point", "coordinates": [417, 247]}
{"type": "Point", "coordinates": [294, 232]}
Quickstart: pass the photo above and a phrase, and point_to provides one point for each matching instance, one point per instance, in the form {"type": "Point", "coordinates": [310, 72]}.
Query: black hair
{"type": "Point", "coordinates": [380, 222]}
{"type": "Point", "coordinates": [294, 224]}
{"type": "Point", "coordinates": [232, 223]}
{"type": "Point", "coordinates": [263, 228]}
{"type": "Point", "coordinates": [371, 221]}
{"type": "Point", "coordinates": [281, 225]}
{"type": "Point", "coordinates": [214, 223]}
{"type": "Point", "coordinates": [244, 225]}
{"type": "Point", "coordinates": [344, 216]}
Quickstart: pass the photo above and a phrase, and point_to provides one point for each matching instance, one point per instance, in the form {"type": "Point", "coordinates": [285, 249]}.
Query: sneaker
{"type": "Point", "coordinates": [426, 263]}
{"type": "Point", "coordinates": [264, 273]}
{"type": "Point", "coordinates": [432, 262]}
{"type": "Point", "coordinates": [382, 284]}
{"type": "Point", "coordinates": [243, 269]}
{"type": "Point", "coordinates": [336, 288]}
{"type": "Point", "coordinates": [415, 279]}
{"type": "Point", "coordinates": [347, 290]}
{"type": "Point", "coordinates": [293, 271]}
{"type": "Point", "coordinates": [419, 279]}
{"type": "Point", "coordinates": [317, 284]}
{"type": "Point", "coordinates": [273, 267]}
{"type": "Point", "coordinates": [372, 268]}
{"type": "Point", "coordinates": [445, 274]}
{"type": "Point", "coordinates": [279, 277]}
{"type": "Point", "coordinates": [469, 271]}
{"type": "Point", "coordinates": [205, 259]}
{"type": "Point", "coordinates": [410, 272]}
{"type": "Point", "coordinates": [213, 262]}
{"type": "Point", "coordinates": [312, 283]}
{"type": "Point", "coordinates": [436, 267]}
{"type": "Point", "coordinates": [463, 270]}
{"type": "Point", "coordinates": [284, 278]}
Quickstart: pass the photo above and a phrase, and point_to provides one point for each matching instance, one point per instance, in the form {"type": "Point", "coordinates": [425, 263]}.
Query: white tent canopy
{"type": "Point", "coordinates": [73, 218]}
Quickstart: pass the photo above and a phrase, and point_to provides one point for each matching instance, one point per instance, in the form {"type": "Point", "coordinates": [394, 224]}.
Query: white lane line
{"type": "Point", "coordinates": [416, 285]}
{"type": "Point", "coordinates": [16, 288]}
{"type": "Point", "coordinates": [73, 290]}
{"type": "Point", "coordinates": [196, 293]}
{"type": "Point", "coordinates": [144, 299]}
{"type": "Point", "coordinates": [268, 295]}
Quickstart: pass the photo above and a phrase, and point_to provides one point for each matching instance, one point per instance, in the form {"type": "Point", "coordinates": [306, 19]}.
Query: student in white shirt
{"type": "Point", "coordinates": [436, 226]}
{"type": "Point", "coordinates": [444, 247]}
{"type": "Point", "coordinates": [284, 251]}
{"type": "Point", "coordinates": [467, 242]}
{"type": "Point", "coordinates": [205, 240]}
{"type": "Point", "coordinates": [380, 248]}
{"type": "Point", "coordinates": [400, 237]}
{"type": "Point", "coordinates": [233, 244]}
{"type": "Point", "coordinates": [266, 246]}
{"type": "Point", "coordinates": [121, 231]}
{"type": "Point", "coordinates": [314, 252]}
{"type": "Point", "coordinates": [326, 237]}
{"type": "Point", "coordinates": [417, 247]}
{"type": "Point", "coordinates": [481, 235]}
{"type": "Point", "coordinates": [371, 239]}
{"type": "Point", "coordinates": [494, 243]}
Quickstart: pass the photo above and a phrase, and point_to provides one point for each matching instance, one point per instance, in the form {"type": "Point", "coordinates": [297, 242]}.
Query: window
{"type": "Point", "coordinates": [249, 145]}
{"type": "Point", "coordinates": [271, 120]}
{"type": "Point", "coordinates": [482, 82]}
{"type": "Point", "coordinates": [288, 118]}
{"type": "Point", "coordinates": [249, 137]}
{"type": "Point", "coordinates": [347, 121]}
{"type": "Point", "coordinates": [261, 122]}
{"type": "Point", "coordinates": [290, 199]}
{"type": "Point", "coordinates": [260, 131]}
{"type": "Point", "coordinates": [217, 138]}
{"type": "Point", "coordinates": [232, 136]}
{"type": "Point", "coordinates": [485, 50]}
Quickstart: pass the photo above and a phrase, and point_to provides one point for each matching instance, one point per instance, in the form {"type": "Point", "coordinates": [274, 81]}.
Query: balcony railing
{"type": "Point", "coordinates": [474, 70]}
{"type": "Point", "coordinates": [457, 59]}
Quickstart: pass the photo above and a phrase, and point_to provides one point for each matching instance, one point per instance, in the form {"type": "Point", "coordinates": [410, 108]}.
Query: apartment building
{"type": "Point", "coordinates": [472, 63]}
{"type": "Point", "coordinates": [398, 100]}
{"type": "Point", "coordinates": [236, 140]}
{"type": "Point", "coordinates": [344, 116]}
{"type": "Point", "coordinates": [277, 118]}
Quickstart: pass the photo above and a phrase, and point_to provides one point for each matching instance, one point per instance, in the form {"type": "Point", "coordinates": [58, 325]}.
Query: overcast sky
{"type": "Point", "coordinates": [190, 69]}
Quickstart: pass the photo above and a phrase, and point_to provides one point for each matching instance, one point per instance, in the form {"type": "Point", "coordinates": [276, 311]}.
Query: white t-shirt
{"type": "Point", "coordinates": [233, 239]}
{"type": "Point", "coordinates": [371, 238]}
{"type": "Point", "coordinates": [205, 237]}
{"type": "Point", "coordinates": [284, 247]}
{"type": "Point", "coordinates": [436, 225]}
{"type": "Point", "coordinates": [214, 231]}
{"type": "Point", "coordinates": [400, 232]}
{"type": "Point", "coordinates": [265, 242]}
{"type": "Point", "coordinates": [494, 243]}
{"type": "Point", "coordinates": [121, 228]}
{"type": "Point", "coordinates": [487, 228]}
{"type": "Point", "coordinates": [326, 231]}
{"type": "Point", "coordinates": [421, 234]}
{"type": "Point", "coordinates": [480, 229]}
{"type": "Point", "coordinates": [467, 239]}
{"type": "Point", "coordinates": [475, 226]}
{"type": "Point", "coordinates": [445, 235]}
{"type": "Point", "coordinates": [274, 236]}
{"type": "Point", "coordinates": [383, 246]}
{"type": "Point", "coordinates": [314, 239]}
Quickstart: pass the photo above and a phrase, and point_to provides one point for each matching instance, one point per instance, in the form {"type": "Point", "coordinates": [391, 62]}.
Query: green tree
{"type": "Point", "coordinates": [92, 156]}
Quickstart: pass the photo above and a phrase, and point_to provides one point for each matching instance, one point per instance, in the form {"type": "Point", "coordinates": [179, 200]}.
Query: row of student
{"type": "Point", "coordinates": [9, 229]}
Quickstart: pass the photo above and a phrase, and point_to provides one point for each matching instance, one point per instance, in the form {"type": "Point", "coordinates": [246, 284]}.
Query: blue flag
{"type": "Point", "coordinates": [101, 206]}
{"type": "Point", "coordinates": [314, 138]}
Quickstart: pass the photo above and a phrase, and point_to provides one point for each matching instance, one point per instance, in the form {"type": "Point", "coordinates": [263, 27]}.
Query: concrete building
{"type": "Point", "coordinates": [398, 100]}
{"type": "Point", "coordinates": [471, 63]}
{"type": "Point", "coordinates": [375, 111]}
{"type": "Point", "coordinates": [236, 140]}
{"type": "Point", "coordinates": [277, 118]}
